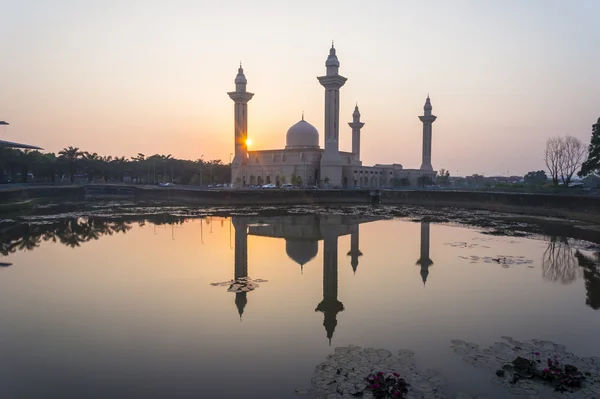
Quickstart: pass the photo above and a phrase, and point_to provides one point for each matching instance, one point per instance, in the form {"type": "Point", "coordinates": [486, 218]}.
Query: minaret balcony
{"type": "Point", "coordinates": [332, 81]}
{"type": "Point", "coordinates": [240, 97]}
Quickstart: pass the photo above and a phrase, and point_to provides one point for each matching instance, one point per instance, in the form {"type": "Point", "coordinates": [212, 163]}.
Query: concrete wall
{"type": "Point", "coordinates": [577, 207]}
{"type": "Point", "coordinates": [255, 197]}
{"type": "Point", "coordinates": [580, 207]}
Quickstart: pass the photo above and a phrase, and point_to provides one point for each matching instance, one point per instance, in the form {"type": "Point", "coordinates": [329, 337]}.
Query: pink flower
{"type": "Point", "coordinates": [380, 373]}
{"type": "Point", "coordinates": [546, 370]}
{"type": "Point", "coordinates": [396, 374]}
{"type": "Point", "coordinates": [396, 393]}
{"type": "Point", "coordinates": [537, 353]}
{"type": "Point", "coordinates": [376, 385]}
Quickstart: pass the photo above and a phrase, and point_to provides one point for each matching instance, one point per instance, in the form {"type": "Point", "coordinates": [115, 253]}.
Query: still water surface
{"type": "Point", "coordinates": [98, 308]}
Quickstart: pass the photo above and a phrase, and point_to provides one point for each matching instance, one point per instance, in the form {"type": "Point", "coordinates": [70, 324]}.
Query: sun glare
{"type": "Point", "coordinates": [248, 142]}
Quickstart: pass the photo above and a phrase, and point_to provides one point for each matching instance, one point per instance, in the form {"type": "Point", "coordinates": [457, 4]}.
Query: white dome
{"type": "Point", "coordinates": [302, 135]}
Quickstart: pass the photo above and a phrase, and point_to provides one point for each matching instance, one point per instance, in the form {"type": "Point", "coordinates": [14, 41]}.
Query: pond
{"type": "Point", "coordinates": [122, 301]}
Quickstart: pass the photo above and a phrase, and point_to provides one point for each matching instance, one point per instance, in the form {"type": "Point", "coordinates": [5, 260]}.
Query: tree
{"type": "Point", "coordinates": [536, 178]}
{"type": "Point", "coordinates": [592, 163]}
{"type": "Point", "coordinates": [573, 154]}
{"type": "Point", "coordinates": [71, 155]}
{"type": "Point", "coordinates": [424, 181]}
{"type": "Point", "coordinates": [553, 157]}
{"type": "Point", "coordinates": [443, 177]}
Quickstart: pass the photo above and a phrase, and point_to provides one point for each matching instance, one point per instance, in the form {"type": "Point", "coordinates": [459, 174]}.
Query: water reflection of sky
{"type": "Point", "coordinates": [114, 308]}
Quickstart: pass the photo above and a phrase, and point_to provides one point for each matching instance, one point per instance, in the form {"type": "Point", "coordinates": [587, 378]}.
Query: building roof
{"type": "Point", "coordinates": [10, 144]}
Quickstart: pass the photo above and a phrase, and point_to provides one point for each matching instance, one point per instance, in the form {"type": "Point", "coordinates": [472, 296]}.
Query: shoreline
{"type": "Point", "coordinates": [562, 207]}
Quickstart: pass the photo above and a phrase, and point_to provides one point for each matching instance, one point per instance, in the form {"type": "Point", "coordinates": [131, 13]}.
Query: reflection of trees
{"type": "Point", "coordinates": [558, 262]}
{"type": "Point", "coordinates": [591, 274]}
{"type": "Point", "coordinates": [73, 232]}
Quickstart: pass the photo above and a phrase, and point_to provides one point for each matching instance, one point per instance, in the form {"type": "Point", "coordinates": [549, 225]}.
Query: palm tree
{"type": "Point", "coordinates": [71, 155]}
{"type": "Point", "coordinates": [120, 166]}
{"type": "Point", "coordinates": [106, 160]}
{"type": "Point", "coordinates": [92, 163]}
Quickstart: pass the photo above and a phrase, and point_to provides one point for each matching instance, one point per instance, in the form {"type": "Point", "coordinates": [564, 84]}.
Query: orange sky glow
{"type": "Point", "coordinates": [126, 77]}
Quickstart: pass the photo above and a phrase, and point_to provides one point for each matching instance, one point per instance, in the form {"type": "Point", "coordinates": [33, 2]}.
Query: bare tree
{"type": "Point", "coordinates": [553, 157]}
{"type": "Point", "coordinates": [573, 155]}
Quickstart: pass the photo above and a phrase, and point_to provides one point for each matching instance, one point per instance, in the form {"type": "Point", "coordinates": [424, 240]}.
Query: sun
{"type": "Point", "coordinates": [248, 142]}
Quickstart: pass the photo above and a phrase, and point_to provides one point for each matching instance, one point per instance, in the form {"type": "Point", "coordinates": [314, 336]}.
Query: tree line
{"type": "Point", "coordinates": [71, 164]}
{"type": "Point", "coordinates": [566, 156]}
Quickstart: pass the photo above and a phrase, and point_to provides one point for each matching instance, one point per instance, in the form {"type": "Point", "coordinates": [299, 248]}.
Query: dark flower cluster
{"type": "Point", "coordinates": [387, 385]}
{"type": "Point", "coordinates": [562, 376]}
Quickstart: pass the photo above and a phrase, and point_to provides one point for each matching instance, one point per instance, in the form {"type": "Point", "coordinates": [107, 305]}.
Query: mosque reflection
{"type": "Point", "coordinates": [560, 263]}
{"type": "Point", "coordinates": [302, 235]}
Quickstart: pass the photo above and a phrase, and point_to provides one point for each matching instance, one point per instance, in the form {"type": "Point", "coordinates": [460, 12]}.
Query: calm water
{"type": "Point", "coordinates": [126, 307]}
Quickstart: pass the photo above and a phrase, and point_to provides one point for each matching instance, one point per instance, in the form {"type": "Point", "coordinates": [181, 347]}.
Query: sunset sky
{"type": "Point", "coordinates": [122, 77]}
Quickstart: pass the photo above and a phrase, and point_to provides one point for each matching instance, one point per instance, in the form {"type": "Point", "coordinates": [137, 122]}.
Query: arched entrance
{"type": "Point", "coordinates": [268, 179]}
{"type": "Point", "coordinates": [345, 183]}
{"type": "Point", "coordinates": [277, 183]}
{"type": "Point", "coordinates": [260, 180]}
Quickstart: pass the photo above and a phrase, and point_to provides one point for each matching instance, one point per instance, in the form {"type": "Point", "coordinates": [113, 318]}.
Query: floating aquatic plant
{"type": "Point", "coordinates": [387, 385]}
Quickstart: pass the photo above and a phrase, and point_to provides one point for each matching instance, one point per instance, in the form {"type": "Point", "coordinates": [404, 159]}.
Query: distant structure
{"type": "Point", "coordinates": [303, 162]}
{"type": "Point", "coordinates": [11, 144]}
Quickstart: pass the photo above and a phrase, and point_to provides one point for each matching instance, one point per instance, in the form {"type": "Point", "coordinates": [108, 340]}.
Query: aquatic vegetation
{"type": "Point", "coordinates": [343, 375]}
{"type": "Point", "coordinates": [241, 284]}
{"type": "Point", "coordinates": [521, 368]}
{"type": "Point", "coordinates": [386, 385]}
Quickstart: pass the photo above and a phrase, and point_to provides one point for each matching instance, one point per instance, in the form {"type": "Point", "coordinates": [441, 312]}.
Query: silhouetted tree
{"type": "Point", "coordinates": [592, 164]}
{"type": "Point", "coordinates": [71, 155]}
{"type": "Point", "coordinates": [536, 178]}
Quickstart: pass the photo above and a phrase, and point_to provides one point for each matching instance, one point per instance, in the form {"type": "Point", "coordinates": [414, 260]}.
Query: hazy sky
{"type": "Point", "coordinates": [122, 77]}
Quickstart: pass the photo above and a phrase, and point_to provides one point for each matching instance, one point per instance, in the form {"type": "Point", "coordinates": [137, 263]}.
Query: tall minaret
{"type": "Point", "coordinates": [424, 260]}
{"type": "Point", "coordinates": [332, 82]}
{"type": "Point", "coordinates": [427, 120]}
{"type": "Point", "coordinates": [240, 261]}
{"type": "Point", "coordinates": [356, 125]}
{"type": "Point", "coordinates": [330, 306]}
{"type": "Point", "coordinates": [241, 97]}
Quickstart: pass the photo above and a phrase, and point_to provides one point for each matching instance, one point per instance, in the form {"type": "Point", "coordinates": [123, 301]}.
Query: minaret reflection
{"type": "Point", "coordinates": [330, 306]}
{"type": "Point", "coordinates": [424, 260]}
{"type": "Point", "coordinates": [240, 261]}
{"type": "Point", "coordinates": [354, 252]}
{"type": "Point", "coordinates": [302, 234]}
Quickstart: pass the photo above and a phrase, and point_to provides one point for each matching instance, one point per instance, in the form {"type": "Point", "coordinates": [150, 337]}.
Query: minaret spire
{"type": "Point", "coordinates": [356, 125]}
{"type": "Point", "coordinates": [240, 97]}
{"type": "Point", "coordinates": [428, 118]}
{"type": "Point", "coordinates": [331, 162]}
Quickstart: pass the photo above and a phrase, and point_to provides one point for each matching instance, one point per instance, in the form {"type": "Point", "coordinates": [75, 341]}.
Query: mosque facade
{"type": "Point", "coordinates": [303, 162]}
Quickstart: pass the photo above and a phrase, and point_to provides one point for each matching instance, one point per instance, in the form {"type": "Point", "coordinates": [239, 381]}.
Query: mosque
{"type": "Point", "coordinates": [303, 162]}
